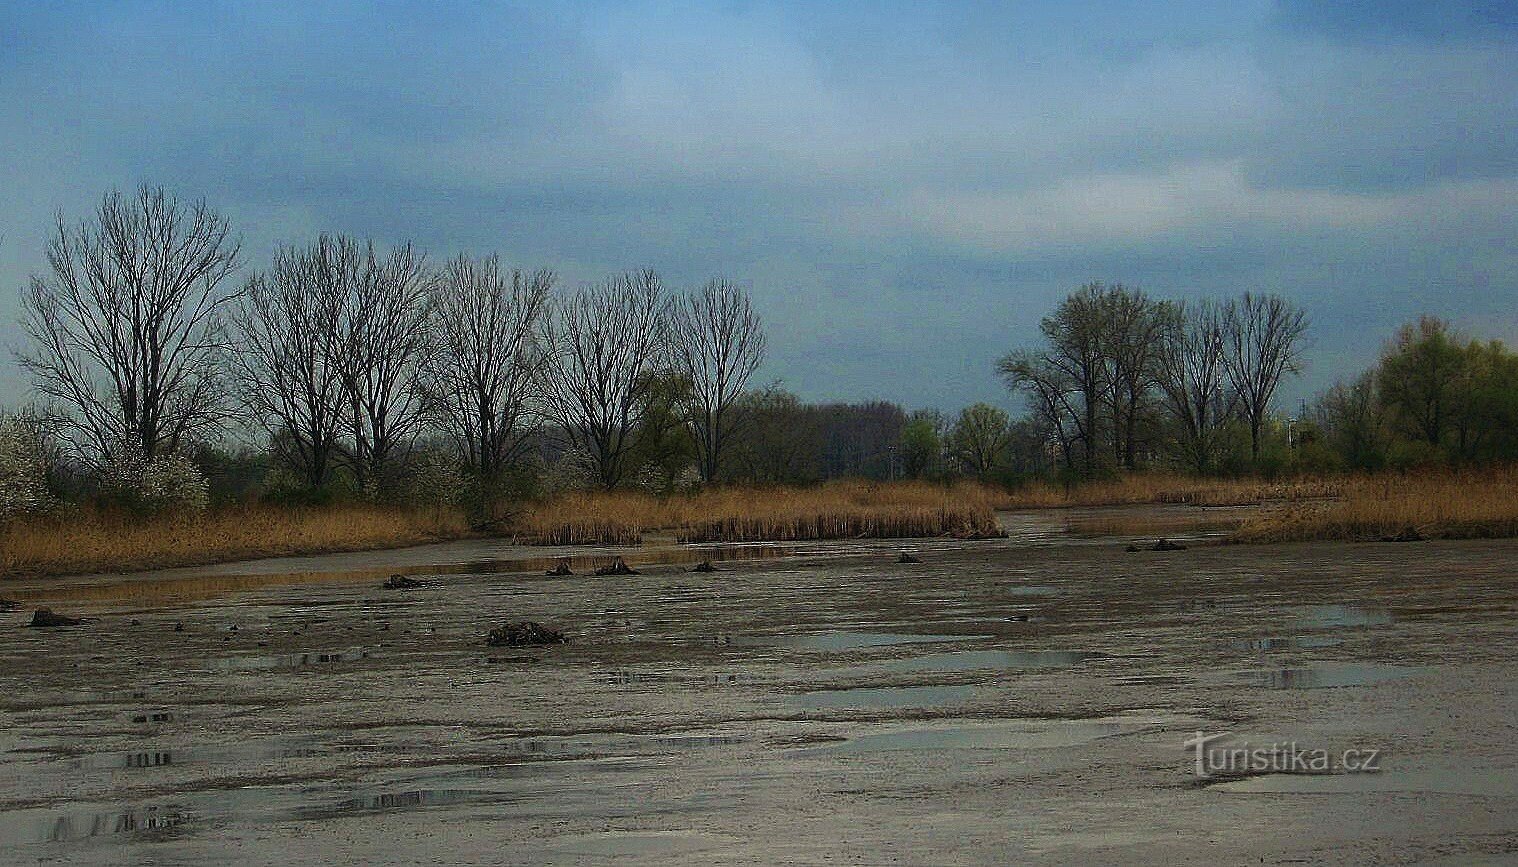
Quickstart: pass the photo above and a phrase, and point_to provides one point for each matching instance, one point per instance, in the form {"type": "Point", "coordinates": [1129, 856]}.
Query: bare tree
{"type": "Point", "coordinates": [1056, 397]}
{"type": "Point", "coordinates": [1132, 325]}
{"type": "Point", "coordinates": [716, 344]}
{"type": "Point", "coordinates": [1191, 375]}
{"type": "Point", "coordinates": [606, 343]}
{"type": "Point", "coordinates": [379, 341]}
{"type": "Point", "coordinates": [485, 359]}
{"type": "Point", "coordinates": [284, 360]}
{"type": "Point", "coordinates": [126, 331]}
{"type": "Point", "coordinates": [1262, 336]}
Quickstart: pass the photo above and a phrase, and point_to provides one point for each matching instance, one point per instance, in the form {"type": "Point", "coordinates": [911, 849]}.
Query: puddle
{"type": "Point", "coordinates": [636, 558]}
{"type": "Point", "coordinates": [145, 759]}
{"type": "Point", "coordinates": [1427, 780]}
{"type": "Point", "coordinates": [285, 660]}
{"type": "Point", "coordinates": [1287, 643]}
{"type": "Point", "coordinates": [837, 641]}
{"type": "Point", "coordinates": [1329, 676]}
{"type": "Point", "coordinates": [600, 746]}
{"type": "Point", "coordinates": [1030, 590]}
{"type": "Point", "coordinates": [409, 800]}
{"type": "Point", "coordinates": [41, 826]}
{"type": "Point", "coordinates": [1343, 616]}
{"type": "Point", "coordinates": [1017, 734]}
{"type": "Point", "coordinates": [190, 584]}
{"type": "Point", "coordinates": [972, 660]}
{"type": "Point", "coordinates": [898, 696]}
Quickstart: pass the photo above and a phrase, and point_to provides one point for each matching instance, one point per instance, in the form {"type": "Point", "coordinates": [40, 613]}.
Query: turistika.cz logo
{"type": "Point", "coordinates": [1213, 757]}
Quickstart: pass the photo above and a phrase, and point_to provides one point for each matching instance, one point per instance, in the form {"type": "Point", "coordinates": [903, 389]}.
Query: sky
{"type": "Point", "coordinates": [906, 188]}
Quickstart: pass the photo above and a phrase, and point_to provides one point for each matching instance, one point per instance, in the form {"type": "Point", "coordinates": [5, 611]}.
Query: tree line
{"type": "Point", "coordinates": [345, 369]}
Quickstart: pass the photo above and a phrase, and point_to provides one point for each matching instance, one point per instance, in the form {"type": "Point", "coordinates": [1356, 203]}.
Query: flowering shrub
{"type": "Point", "coordinates": [23, 471]}
{"type": "Point", "coordinates": [168, 483]}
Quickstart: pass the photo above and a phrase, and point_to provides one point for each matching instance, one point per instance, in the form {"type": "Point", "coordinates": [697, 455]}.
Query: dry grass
{"type": "Point", "coordinates": [1436, 504]}
{"type": "Point", "coordinates": [838, 510]}
{"type": "Point", "coordinates": [92, 542]}
{"type": "Point", "coordinates": [1139, 488]}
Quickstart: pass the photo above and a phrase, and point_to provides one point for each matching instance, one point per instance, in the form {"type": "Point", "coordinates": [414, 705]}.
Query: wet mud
{"type": "Point", "coordinates": [1008, 700]}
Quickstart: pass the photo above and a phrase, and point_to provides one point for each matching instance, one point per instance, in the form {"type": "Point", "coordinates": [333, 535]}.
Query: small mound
{"type": "Point", "coordinates": [617, 567]}
{"type": "Point", "coordinates": [525, 633]}
{"type": "Point", "coordinates": [44, 618]}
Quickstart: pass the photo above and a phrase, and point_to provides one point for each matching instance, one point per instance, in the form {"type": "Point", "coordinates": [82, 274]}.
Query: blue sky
{"type": "Point", "coordinates": [907, 187]}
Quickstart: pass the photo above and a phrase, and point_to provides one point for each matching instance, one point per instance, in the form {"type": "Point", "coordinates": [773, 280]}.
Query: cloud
{"type": "Point", "coordinates": [908, 186]}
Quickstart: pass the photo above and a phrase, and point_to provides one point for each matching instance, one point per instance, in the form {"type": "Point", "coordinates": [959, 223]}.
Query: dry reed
{"type": "Point", "coordinates": [94, 542]}
{"type": "Point", "coordinates": [1140, 488]}
{"type": "Point", "coordinates": [838, 510]}
{"type": "Point", "coordinates": [1434, 503]}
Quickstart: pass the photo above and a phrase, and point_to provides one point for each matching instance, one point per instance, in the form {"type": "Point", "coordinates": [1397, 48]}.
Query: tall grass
{"type": "Point", "coordinates": [1434, 503]}
{"type": "Point", "coordinates": [837, 510]}
{"type": "Point", "coordinates": [88, 541]}
{"type": "Point", "coordinates": [1139, 488]}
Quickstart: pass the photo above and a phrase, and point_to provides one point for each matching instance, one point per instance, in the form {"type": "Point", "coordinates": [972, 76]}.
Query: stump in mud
{"type": "Point", "coordinates": [617, 567]}
{"type": "Point", "coordinates": [401, 582]}
{"type": "Point", "coordinates": [527, 632]}
{"type": "Point", "coordinates": [704, 566]}
{"type": "Point", "coordinates": [560, 570]}
{"type": "Point", "coordinates": [45, 618]}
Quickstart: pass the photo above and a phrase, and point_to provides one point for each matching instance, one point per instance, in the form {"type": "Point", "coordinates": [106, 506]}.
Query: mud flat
{"type": "Point", "coordinates": [1002, 701]}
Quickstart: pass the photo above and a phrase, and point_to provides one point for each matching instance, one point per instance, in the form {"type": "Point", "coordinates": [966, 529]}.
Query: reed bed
{"type": "Point", "coordinates": [1428, 504]}
{"type": "Point", "coordinates": [86, 541]}
{"type": "Point", "coordinates": [839, 510]}
{"type": "Point", "coordinates": [1141, 488]}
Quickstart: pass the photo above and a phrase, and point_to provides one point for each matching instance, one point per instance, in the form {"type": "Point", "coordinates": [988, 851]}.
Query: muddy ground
{"type": "Point", "coordinates": [1024, 699]}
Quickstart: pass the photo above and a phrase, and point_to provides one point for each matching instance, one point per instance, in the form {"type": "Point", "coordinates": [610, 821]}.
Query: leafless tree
{"type": "Point", "coordinates": [606, 345]}
{"type": "Point", "coordinates": [716, 344]}
{"type": "Point", "coordinates": [1132, 326]}
{"type": "Point", "coordinates": [288, 374]}
{"type": "Point", "coordinates": [379, 342]}
{"type": "Point", "coordinates": [1262, 341]}
{"type": "Point", "coordinates": [1191, 376]}
{"type": "Point", "coordinates": [1056, 399]}
{"type": "Point", "coordinates": [485, 360]}
{"type": "Point", "coordinates": [125, 332]}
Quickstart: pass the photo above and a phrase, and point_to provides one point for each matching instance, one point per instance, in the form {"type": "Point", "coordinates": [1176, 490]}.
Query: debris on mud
{"type": "Point", "coordinates": [908, 558]}
{"type": "Point", "coordinates": [617, 567]}
{"type": "Point", "coordinates": [1408, 534]}
{"type": "Point", "coordinates": [45, 618]}
{"type": "Point", "coordinates": [401, 582]}
{"type": "Point", "coordinates": [561, 569]}
{"type": "Point", "coordinates": [525, 633]}
{"type": "Point", "coordinates": [704, 566]}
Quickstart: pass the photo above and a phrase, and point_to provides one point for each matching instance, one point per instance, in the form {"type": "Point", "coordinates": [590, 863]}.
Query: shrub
{"type": "Point", "coordinates": [23, 471]}
{"type": "Point", "coordinates": [168, 483]}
